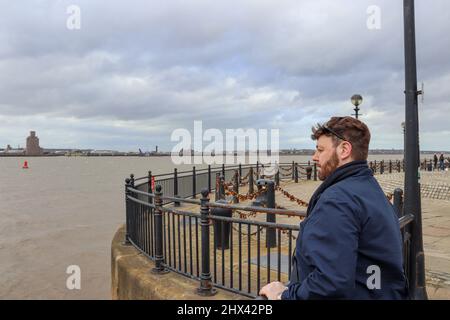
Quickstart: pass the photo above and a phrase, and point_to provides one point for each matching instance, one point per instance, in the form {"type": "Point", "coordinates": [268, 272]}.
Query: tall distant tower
{"type": "Point", "coordinates": [33, 148]}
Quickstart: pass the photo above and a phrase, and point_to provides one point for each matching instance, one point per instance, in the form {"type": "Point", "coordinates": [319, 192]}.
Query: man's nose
{"type": "Point", "coordinates": [315, 158]}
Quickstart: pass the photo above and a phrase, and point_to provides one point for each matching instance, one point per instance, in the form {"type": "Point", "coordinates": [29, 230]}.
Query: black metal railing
{"type": "Point", "coordinates": [187, 184]}
{"type": "Point", "coordinates": [221, 251]}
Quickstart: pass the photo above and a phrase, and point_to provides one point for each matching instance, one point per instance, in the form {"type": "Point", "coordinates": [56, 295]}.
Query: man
{"type": "Point", "coordinates": [349, 245]}
{"type": "Point", "coordinates": [441, 162]}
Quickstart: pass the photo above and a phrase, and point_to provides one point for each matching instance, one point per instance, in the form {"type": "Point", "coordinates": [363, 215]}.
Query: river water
{"type": "Point", "coordinates": [64, 211]}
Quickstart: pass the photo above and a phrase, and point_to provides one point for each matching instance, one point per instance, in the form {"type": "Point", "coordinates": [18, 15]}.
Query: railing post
{"type": "Point", "coordinates": [217, 189]}
{"type": "Point", "coordinates": [398, 202]}
{"type": "Point", "coordinates": [375, 166]}
{"type": "Point", "coordinates": [403, 165]}
{"type": "Point", "coordinates": [315, 171]}
{"type": "Point", "coordinates": [159, 254]}
{"type": "Point", "coordinates": [296, 172]}
{"type": "Point", "coordinates": [293, 170]}
{"type": "Point", "coordinates": [206, 288]}
{"type": "Point", "coordinates": [250, 181]}
{"type": "Point", "coordinates": [390, 166]}
{"type": "Point", "coordinates": [236, 186]}
{"type": "Point", "coordinates": [149, 187]}
{"type": "Point", "coordinates": [126, 241]}
{"type": "Point", "coordinates": [132, 180]}
{"type": "Point", "coordinates": [277, 178]}
{"type": "Point", "coordinates": [271, 240]}
{"type": "Point", "coordinates": [194, 183]}
{"type": "Point", "coordinates": [223, 169]}
{"type": "Point", "coordinates": [175, 186]}
{"type": "Point", "coordinates": [209, 178]}
{"type": "Point", "coordinates": [240, 173]}
{"type": "Point", "coordinates": [222, 187]}
{"type": "Point", "coordinates": [381, 166]}
{"type": "Point", "coordinates": [257, 170]}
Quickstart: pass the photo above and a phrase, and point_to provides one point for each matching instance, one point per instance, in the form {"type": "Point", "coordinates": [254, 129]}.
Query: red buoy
{"type": "Point", "coordinates": [25, 165]}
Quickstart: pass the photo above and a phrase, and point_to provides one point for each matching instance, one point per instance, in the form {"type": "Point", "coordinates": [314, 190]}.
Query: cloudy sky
{"type": "Point", "coordinates": [136, 70]}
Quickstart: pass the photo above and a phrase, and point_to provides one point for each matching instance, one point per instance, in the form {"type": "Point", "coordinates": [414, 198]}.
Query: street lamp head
{"type": "Point", "coordinates": [356, 100]}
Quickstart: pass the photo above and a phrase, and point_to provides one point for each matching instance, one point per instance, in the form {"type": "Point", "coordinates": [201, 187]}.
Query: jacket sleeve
{"type": "Point", "coordinates": [329, 247]}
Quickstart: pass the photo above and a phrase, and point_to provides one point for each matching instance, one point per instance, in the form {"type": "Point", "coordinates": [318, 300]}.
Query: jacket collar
{"type": "Point", "coordinates": [347, 170]}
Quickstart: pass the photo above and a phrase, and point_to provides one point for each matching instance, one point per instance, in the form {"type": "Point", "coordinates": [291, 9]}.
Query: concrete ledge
{"type": "Point", "coordinates": [131, 278]}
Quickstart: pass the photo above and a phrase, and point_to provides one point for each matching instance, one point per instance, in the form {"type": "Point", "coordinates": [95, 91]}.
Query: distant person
{"type": "Point", "coordinates": [441, 162]}
{"type": "Point", "coordinates": [350, 228]}
{"type": "Point", "coordinates": [435, 158]}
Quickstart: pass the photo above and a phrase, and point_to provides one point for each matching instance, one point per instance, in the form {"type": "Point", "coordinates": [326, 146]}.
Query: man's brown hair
{"type": "Point", "coordinates": [349, 129]}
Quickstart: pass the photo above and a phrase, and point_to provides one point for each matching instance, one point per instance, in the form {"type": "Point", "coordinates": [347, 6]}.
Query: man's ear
{"type": "Point", "coordinates": [346, 150]}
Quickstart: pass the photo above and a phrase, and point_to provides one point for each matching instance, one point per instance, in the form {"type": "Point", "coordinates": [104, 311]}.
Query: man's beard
{"type": "Point", "coordinates": [328, 168]}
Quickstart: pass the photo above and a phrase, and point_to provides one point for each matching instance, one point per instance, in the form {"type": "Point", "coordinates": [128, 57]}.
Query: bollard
{"type": "Point", "coordinates": [315, 171]}
{"type": "Point", "coordinates": [296, 172]}
{"type": "Point", "coordinates": [159, 254]}
{"type": "Point", "coordinates": [271, 240]}
{"type": "Point", "coordinates": [398, 202]}
{"type": "Point", "coordinates": [175, 186]}
{"type": "Point", "coordinates": [206, 288]}
{"type": "Point", "coordinates": [222, 187]}
{"type": "Point", "coordinates": [236, 186]}
{"type": "Point", "coordinates": [126, 241]}
{"type": "Point", "coordinates": [308, 172]}
{"type": "Point", "coordinates": [222, 229]}
{"type": "Point", "coordinates": [250, 181]}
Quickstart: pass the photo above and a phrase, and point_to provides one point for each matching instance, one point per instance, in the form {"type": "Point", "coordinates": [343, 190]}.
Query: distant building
{"type": "Point", "coordinates": [9, 151]}
{"type": "Point", "coordinates": [33, 148]}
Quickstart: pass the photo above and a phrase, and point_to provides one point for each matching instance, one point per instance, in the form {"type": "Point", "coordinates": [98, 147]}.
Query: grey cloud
{"type": "Point", "coordinates": [248, 64]}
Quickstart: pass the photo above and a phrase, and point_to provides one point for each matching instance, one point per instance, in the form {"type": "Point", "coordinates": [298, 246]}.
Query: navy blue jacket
{"type": "Point", "coordinates": [350, 227]}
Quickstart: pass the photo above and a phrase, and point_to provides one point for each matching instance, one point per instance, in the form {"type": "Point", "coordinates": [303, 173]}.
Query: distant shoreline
{"type": "Point", "coordinates": [375, 152]}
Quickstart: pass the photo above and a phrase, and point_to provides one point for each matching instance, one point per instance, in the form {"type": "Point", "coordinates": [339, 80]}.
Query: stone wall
{"type": "Point", "coordinates": [131, 278]}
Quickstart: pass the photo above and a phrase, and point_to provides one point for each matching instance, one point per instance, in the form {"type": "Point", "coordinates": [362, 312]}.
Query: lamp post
{"type": "Point", "coordinates": [412, 204]}
{"type": "Point", "coordinates": [404, 142]}
{"type": "Point", "coordinates": [356, 101]}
